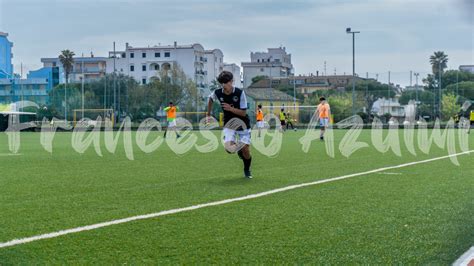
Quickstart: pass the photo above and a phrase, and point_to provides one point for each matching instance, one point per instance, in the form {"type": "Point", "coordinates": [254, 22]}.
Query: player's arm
{"type": "Point", "coordinates": [210, 101]}
{"type": "Point", "coordinates": [166, 109]}
{"type": "Point", "coordinates": [239, 112]}
{"type": "Point", "coordinates": [242, 111]}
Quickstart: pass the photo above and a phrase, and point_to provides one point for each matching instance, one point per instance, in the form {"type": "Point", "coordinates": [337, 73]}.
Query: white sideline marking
{"type": "Point", "coordinates": [389, 173]}
{"type": "Point", "coordinates": [25, 240]}
{"type": "Point", "coordinates": [466, 259]}
{"type": "Point", "coordinates": [10, 154]}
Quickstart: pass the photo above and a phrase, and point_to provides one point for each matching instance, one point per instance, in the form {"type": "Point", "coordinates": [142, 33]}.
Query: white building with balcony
{"type": "Point", "coordinates": [235, 70]}
{"type": "Point", "coordinates": [274, 63]}
{"type": "Point", "coordinates": [145, 63]}
{"type": "Point", "coordinates": [214, 64]}
{"type": "Point", "coordinates": [388, 106]}
{"type": "Point", "coordinates": [90, 68]}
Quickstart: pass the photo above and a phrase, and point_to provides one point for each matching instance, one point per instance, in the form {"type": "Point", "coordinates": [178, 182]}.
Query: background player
{"type": "Point", "coordinates": [323, 111]}
{"type": "Point", "coordinates": [171, 117]}
{"type": "Point", "coordinates": [282, 120]}
{"type": "Point", "coordinates": [260, 122]}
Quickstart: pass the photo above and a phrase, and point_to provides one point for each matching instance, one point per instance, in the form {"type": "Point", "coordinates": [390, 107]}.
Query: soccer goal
{"type": "Point", "coordinates": [299, 115]}
{"type": "Point", "coordinates": [193, 117]}
{"type": "Point", "coordinates": [93, 114]}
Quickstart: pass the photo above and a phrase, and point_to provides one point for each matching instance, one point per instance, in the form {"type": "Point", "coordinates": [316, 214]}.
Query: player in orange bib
{"type": "Point", "coordinates": [171, 117]}
{"type": "Point", "coordinates": [323, 112]}
{"type": "Point", "coordinates": [260, 122]}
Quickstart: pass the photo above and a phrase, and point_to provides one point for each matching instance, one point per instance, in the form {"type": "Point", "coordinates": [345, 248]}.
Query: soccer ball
{"type": "Point", "coordinates": [230, 147]}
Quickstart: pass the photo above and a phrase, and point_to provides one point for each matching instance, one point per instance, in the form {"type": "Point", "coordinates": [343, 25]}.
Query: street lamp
{"type": "Point", "coordinates": [416, 91]}
{"type": "Point", "coordinates": [349, 31]}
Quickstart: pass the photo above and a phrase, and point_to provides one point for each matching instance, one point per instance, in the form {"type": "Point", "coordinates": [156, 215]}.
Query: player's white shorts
{"type": "Point", "coordinates": [324, 122]}
{"type": "Point", "coordinates": [230, 135]}
{"type": "Point", "coordinates": [260, 124]}
{"type": "Point", "coordinates": [172, 123]}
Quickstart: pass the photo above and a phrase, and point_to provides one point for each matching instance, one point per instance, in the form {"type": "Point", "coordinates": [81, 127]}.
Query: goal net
{"type": "Point", "coordinates": [93, 114]}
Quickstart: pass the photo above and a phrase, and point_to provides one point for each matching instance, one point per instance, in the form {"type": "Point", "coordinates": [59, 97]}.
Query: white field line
{"type": "Point", "coordinates": [389, 173]}
{"type": "Point", "coordinates": [25, 240]}
{"type": "Point", "coordinates": [466, 259]}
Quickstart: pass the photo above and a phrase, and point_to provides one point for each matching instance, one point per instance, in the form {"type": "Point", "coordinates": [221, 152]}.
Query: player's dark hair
{"type": "Point", "coordinates": [224, 77]}
{"type": "Point", "coordinates": [282, 109]}
{"type": "Point", "coordinates": [322, 98]}
{"type": "Point", "coordinates": [260, 106]}
{"type": "Point", "coordinates": [170, 102]}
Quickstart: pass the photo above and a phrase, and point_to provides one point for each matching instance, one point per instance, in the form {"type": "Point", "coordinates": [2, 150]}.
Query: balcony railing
{"type": "Point", "coordinates": [89, 70]}
{"type": "Point", "coordinates": [200, 72]}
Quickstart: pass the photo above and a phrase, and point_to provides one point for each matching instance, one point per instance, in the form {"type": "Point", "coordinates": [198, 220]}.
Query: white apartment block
{"type": "Point", "coordinates": [468, 68]}
{"type": "Point", "coordinates": [235, 70]}
{"type": "Point", "coordinates": [214, 64]}
{"type": "Point", "coordinates": [274, 63]}
{"type": "Point", "coordinates": [144, 63]}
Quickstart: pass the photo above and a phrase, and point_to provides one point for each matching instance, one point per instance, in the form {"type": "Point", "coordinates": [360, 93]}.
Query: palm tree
{"type": "Point", "coordinates": [67, 60]}
{"type": "Point", "coordinates": [438, 62]}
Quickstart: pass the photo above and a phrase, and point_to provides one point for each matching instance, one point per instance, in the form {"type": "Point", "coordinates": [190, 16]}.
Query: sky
{"type": "Point", "coordinates": [395, 35]}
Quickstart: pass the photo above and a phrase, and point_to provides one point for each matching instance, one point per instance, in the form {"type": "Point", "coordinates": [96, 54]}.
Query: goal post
{"type": "Point", "coordinates": [93, 114]}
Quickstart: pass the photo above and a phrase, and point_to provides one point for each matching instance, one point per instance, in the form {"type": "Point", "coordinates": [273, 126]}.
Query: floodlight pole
{"type": "Point", "coordinates": [416, 91]}
{"type": "Point", "coordinates": [82, 85]}
{"type": "Point", "coordinates": [348, 31]}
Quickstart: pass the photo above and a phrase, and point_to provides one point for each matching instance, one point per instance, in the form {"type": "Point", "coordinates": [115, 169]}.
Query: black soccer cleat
{"type": "Point", "coordinates": [248, 174]}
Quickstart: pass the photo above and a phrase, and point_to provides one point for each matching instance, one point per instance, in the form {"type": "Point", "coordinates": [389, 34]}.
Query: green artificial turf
{"type": "Point", "coordinates": [419, 214]}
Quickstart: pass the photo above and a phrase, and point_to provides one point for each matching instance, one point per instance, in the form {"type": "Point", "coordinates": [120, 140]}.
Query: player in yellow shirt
{"type": "Point", "coordinates": [323, 111]}
{"type": "Point", "coordinates": [171, 118]}
{"type": "Point", "coordinates": [282, 119]}
{"type": "Point", "coordinates": [260, 122]}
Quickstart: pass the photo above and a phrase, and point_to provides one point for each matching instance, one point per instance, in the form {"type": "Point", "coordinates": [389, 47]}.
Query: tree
{"type": "Point", "coordinates": [371, 90]}
{"type": "Point", "coordinates": [464, 89]}
{"type": "Point", "coordinates": [67, 60]}
{"type": "Point", "coordinates": [438, 63]}
{"type": "Point", "coordinates": [424, 97]}
{"type": "Point", "coordinates": [341, 106]}
{"type": "Point", "coordinates": [449, 106]}
{"type": "Point", "coordinates": [258, 78]}
{"type": "Point", "coordinates": [454, 76]}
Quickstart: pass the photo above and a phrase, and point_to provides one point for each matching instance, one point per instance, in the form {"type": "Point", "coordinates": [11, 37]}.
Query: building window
{"type": "Point", "coordinates": [157, 67]}
{"type": "Point", "coordinates": [268, 60]}
{"type": "Point", "coordinates": [143, 81]}
{"type": "Point", "coordinates": [157, 55]}
{"type": "Point", "coordinates": [143, 67]}
{"type": "Point", "coordinates": [261, 69]}
{"type": "Point", "coordinates": [277, 60]}
{"type": "Point", "coordinates": [144, 55]}
{"type": "Point", "coordinates": [124, 55]}
{"type": "Point", "coordinates": [132, 55]}
{"type": "Point", "coordinates": [132, 68]}
{"type": "Point", "coordinates": [167, 54]}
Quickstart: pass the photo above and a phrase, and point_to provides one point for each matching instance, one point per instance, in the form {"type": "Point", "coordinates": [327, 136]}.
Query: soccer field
{"type": "Point", "coordinates": [416, 214]}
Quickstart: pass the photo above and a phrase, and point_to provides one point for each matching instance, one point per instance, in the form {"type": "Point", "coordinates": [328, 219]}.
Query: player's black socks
{"type": "Point", "coordinates": [240, 154]}
{"type": "Point", "coordinates": [247, 163]}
